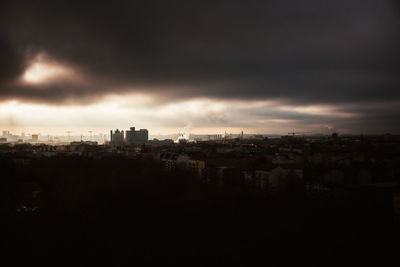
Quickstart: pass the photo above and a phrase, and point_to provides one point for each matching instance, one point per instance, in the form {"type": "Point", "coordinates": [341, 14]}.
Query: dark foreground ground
{"type": "Point", "coordinates": [118, 212]}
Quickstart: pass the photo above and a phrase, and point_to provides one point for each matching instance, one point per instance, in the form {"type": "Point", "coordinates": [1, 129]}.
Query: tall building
{"type": "Point", "coordinates": [35, 137]}
{"type": "Point", "coordinates": [134, 137]}
{"type": "Point", "coordinates": [117, 138]}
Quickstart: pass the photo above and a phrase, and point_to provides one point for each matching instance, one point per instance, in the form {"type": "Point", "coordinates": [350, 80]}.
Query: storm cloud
{"type": "Point", "coordinates": [298, 52]}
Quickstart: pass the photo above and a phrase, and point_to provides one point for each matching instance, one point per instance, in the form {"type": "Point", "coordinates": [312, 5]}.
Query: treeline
{"type": "Point", "coordinates": [119, 211]}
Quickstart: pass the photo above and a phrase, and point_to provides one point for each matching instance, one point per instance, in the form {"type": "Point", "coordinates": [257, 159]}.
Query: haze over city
{"type": "Point", "coordinates": [264, 67]}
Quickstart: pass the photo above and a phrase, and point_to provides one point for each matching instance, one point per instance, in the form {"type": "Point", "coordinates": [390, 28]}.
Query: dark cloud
{"type": "Point", "coordinates": [303, 52]}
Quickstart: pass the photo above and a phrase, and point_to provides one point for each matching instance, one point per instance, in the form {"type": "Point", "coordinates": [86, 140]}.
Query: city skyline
{"type": "Point", "coordinates": [186, 132]}
{"type": "Point", "coordinates": [205, 133]}
{"type": "Point", "coordinates": [263, 68]}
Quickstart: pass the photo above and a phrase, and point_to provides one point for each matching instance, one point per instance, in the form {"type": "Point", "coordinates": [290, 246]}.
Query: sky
{"type": "Point", "coordinates": [266, 67]}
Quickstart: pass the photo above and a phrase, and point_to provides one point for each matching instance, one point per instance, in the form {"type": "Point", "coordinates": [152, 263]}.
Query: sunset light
{"type": "Point", "coordinates": [42, 71]}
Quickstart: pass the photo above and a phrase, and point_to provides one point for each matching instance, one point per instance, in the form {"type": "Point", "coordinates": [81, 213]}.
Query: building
{"type": "Point", "coordinates": [35, 137]}
{"type": "Point", "coordinates": [117, 138]}
{"type": "Point", "coordinates": [197, 167]}
{"type": "Point", "coordinates": [134, 137]}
